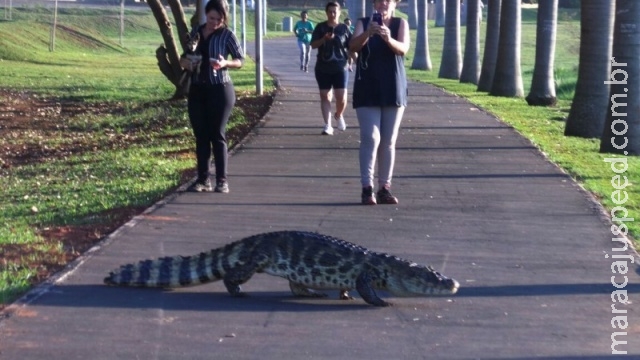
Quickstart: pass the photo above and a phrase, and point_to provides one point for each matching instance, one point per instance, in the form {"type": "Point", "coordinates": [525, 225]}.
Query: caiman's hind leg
{"type": "Point", "coordinates": [303, 291]}
{"type": "Point", "coordinates": [364, 288]}
{"type": "Point", "coordinates": [241, 274]}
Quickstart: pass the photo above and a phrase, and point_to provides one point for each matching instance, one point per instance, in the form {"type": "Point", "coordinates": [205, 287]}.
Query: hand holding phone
{"type": "Point", "coordinates": [329, 34]}
{"type": "Point", "coordinates": [377, 17]}
{"type": "Point", "coordinates": [215, 64]}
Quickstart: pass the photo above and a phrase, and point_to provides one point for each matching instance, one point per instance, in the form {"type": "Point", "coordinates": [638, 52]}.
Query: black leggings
{"type": "Point", "coordinates": [209, 110]}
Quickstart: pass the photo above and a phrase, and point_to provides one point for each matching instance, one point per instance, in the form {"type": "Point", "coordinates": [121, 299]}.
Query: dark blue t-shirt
{"type": "Point", "coordinates": [333, 54]}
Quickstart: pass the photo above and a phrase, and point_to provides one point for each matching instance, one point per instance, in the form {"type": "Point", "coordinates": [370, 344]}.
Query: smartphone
{"type": "Point", "coordinates": [330, 30]}
{"type": "Point", "coordinates": [377, 17]}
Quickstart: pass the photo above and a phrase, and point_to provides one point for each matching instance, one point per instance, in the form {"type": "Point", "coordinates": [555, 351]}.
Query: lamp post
{"type": "Point", "coordinates": [52, 39]}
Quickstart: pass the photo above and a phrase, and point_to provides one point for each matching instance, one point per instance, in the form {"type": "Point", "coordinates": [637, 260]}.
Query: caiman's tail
{"type": "Point", "coordinates": [169, 272]}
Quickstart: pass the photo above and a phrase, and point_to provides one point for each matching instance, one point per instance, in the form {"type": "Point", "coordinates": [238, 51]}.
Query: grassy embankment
{"type": "Point", "coordinates": [125, 147]}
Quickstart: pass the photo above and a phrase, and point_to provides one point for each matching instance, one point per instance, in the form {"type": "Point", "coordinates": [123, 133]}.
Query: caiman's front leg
{"type": "Point", "coordinates": [364, 288]}
{"type": "Point", "coordinates": [241, 274]}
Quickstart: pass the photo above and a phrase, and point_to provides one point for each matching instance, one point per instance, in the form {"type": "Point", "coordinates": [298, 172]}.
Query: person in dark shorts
{"type": "Point", "coordinates": [331, 38]}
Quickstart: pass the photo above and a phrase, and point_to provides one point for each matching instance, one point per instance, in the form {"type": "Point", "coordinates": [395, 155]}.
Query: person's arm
{"type": "Point", "coordinates": [317, 43]}
{"type": "Point", "coordinates": [360, 36]}
{"type": "Point", "coordinates": [401, 45]}
{"type": "Point", "coordinates": [320, 36]}
{"type": "Point", "coordinates": [235, 50]}
{"type": "Point", "coordinates": [297, 28]}
{"type": "Point", "coordinates": [352, 56]}
{"type": "Point", "coordinates": [229, 64]}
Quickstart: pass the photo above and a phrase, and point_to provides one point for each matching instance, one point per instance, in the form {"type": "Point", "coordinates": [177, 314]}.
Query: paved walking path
{"type": "Point", "coordinates": [477, 201]}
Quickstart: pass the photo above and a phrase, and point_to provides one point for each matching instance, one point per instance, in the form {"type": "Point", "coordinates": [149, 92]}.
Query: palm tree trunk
{"type": "Point", "coordinates": [412, 12]}
{"type": "Point", "coordinates": [543, 87]}
{"type": "Point", "coordinates": [440, 13]}
{"type": "Point", "coordinates": [491, 41]}
{"type": "Point", "coordinates": [622, 129]}
{"type": "Point", "coordinates": [421, 58]}
{"type": "Point", "coordinates": [507, 80]}
{"type": "Point", "coordinates": [451, 52]}
{"type": "Point", "coordinates": [471, 60]}
{"type": "Point", "coordinates": [589, 107]}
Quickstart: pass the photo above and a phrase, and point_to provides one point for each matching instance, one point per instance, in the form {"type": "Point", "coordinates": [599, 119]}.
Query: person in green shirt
{"type": "Point", "coordinates": [303, 30]}
{"type": "Point", "coordinates": [347, 22]}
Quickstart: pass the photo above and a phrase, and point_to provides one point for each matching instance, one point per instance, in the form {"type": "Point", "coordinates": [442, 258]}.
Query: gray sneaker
{"type": "Point", "coordinates": [222, 186]}
{"type": "Point", "coordinates": [201, 185]}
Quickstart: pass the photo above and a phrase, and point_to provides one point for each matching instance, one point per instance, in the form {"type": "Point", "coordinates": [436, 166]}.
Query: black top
{"type": "Point", "coordinates": [380, 76]}
{"type": "Point", "coordinates": [333, 54]}
{"type": "Point", "coordinates": [221, 42]}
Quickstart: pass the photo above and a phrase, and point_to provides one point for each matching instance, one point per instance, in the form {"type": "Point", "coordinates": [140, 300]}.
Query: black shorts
{"type": "Point", "coordinates": [336, 80]}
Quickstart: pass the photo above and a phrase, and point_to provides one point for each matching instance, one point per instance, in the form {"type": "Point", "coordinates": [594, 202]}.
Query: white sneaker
{"type": "Point", "coordinates": [328, 130]}
{"type": "Point", "coordinates": [342, 126]}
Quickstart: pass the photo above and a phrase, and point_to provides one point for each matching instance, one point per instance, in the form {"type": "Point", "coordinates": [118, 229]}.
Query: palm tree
{"type": "Point", "coordinates": [440, 20]}
{"type": "Point", "coordinates": [589, 107]}
{"type": "Point", "coordinates": [421, 58]}
{"type": "Point", "coordinates": [507, 80]}
{"type": "Point", "coordinates": [622, 129]}
{"type": "Point", "coordinates": [543, 87]}
{"type": "Point", "coordinates": [492, 37]}
{"type": "Point", "coordinates": [463, 13]}
{"type": "Point", "coordinates": [412, 12]}
{"type": "Point", "coordinates": [451, 52]}
{"type": "Point", "coordinates": [471, 60]}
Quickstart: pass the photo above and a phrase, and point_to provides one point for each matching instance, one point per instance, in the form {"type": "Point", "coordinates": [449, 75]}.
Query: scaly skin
{"type": "Point", "coordinates": [308, 260]}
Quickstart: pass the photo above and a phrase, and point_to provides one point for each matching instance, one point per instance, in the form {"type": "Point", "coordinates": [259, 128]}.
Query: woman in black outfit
{"type": "Point", "coordinates": [211, 95]}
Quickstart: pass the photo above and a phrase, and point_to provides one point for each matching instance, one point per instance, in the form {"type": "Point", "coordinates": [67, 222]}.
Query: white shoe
{"type": "Point", "coordinates": [342, 126]}
{"type": "Point", "coordinates": [328, 130]}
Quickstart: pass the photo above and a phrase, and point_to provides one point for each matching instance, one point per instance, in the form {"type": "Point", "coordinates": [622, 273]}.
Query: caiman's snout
{"type": "Point", "coordinates": [452, 285]}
